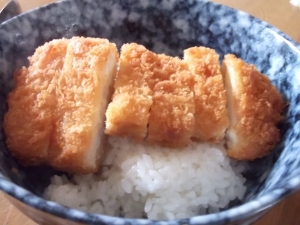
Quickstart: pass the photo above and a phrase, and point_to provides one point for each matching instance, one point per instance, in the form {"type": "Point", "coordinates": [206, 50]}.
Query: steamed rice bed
{"type": "Point", "coordinates": [138, 181]}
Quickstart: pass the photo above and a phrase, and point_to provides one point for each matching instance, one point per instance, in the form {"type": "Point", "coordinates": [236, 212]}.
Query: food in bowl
{"type": "Point", "coordinates": [61, 100]}
{"type": "Point", "coordinates": [255, 108]}
{"type": "Point", "coordinates": [146, 181]}
{"type": "Point", "coordinates": [166, 100]}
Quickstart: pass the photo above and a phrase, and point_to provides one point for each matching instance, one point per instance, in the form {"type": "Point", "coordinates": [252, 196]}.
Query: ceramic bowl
{"type": "Point", "coordinates": [167, 26]}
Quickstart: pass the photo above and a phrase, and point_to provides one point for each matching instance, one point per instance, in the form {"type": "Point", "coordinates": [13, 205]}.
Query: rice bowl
{"type": "Point", "coordinates": [268, 180]}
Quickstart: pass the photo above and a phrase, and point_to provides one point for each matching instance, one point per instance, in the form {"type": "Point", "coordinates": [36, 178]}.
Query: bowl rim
{"type": "Point", "coordinates": [243, 211]}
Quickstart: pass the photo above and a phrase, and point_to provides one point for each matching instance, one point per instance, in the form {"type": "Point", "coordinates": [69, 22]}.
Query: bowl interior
{"type": "Point", "coordinates": [163, 27]}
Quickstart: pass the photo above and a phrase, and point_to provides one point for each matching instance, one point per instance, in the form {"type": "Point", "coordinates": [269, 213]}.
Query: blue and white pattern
{"type": "Point", "coordinates": [164, 26]}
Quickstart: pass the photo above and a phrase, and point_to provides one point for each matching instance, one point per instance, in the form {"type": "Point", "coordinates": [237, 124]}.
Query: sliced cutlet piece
{"type": "Point", "coordinates": [166, 67]}
{"type": "Point", "coordinates": [139, 73]}
{"type": "Point", "coordinates": [211, 118]}
{"type": "Point", "coordinates": [28, 124]}
{"type": "Point", "coordinates": [255, 108]}
{"type": "Point", "coordinates": [171, 121]}
{"type": "Point", "coordinates": [83, 91]}
{"type": "Point", "coordinates": [127, 115]}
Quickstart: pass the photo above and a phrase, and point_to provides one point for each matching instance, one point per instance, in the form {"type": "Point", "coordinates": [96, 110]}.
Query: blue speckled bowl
{"type": "Point", "coordinates": [167, 26]}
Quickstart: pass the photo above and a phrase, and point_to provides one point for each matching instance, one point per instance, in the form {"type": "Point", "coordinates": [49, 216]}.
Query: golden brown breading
{"type": "Point", "coordinates": [56, 111]}
{"type": "Point", "coordinates": [83, 91]}
{"type": "Point", "coordinates": [128, 113]}
{"type": "Point", "coordinates": [165, 68]}
{"type": "Point", "coordinates": [255, 108]}
{"type": "Point", "coordinates": [171, 120]}
{"type": "Point", "coordinates": [140, 71]}
{"type": "Point", "coordinates": [28, 122]}
{"type": "Point", "coordinates": [211, 119]}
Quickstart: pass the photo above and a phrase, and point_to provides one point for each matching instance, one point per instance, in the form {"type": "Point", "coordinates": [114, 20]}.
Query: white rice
{"type": "Point", "coordinates": [154, 182]}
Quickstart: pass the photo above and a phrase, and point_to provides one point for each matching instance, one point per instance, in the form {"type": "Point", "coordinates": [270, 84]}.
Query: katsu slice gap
{"type": "Point", "coordinates": [28, 123]}
{"type": "Point", "coordinates": [211, 117]}
{"type": "Point", "coordinates": [83, 91]}
{"type": "Point", "coordinates": [255, 108]}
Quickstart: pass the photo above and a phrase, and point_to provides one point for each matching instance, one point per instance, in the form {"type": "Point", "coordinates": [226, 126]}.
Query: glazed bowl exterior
{"type": "Point", "coordinates": [167, 26]}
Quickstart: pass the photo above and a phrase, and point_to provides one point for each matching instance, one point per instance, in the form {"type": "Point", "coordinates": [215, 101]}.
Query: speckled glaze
{"type": "Point", "coordinates": [164, 26]}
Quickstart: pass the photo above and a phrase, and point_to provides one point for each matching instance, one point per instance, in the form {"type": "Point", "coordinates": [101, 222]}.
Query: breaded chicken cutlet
{"type": "Point", "coordinates": [171, 121]}
{"type": "Point", "coordinates": [28, 124]}
{"type": "Point", "coordinates": [184, 99]}
{"type": "Point", "coordinates": [61, 100]}
{"type": "Point", "coordinates": [211, 119]}
{"type": "Point", "coordinates": [255, 108]}
{"type": "Point", "coordinates": [128, 113]}
{"type": "Point", "coordinates": [137, 101]}
{"type": "Point", "coordinates": [140, 103]}
{"type": "Point", "coordinates": [83, 92]}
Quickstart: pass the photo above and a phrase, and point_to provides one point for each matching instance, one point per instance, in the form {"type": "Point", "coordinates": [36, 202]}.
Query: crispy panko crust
{"type": "Point", "coordinates": [81, 104]}
{"type": "Point", "coordinates": [128, 113]}
{"type": "Point", "coordinates": [171, 121]}
{"type": "Point", "coordinates": [211, 118]}
{"type": "Point", "coordinates": [28, 122]}
{"type": "Point", "coordinates": [169, 68]}
{"type": "Point", "coordinates": [139, 73]}
{"type": "Point", "coordinates": [255, 108]}
{"type": "Point", "coordinates": [57, 108]}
